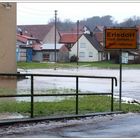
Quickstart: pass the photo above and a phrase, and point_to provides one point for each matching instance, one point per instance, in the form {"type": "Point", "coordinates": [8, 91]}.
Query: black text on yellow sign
{"type": "Point", "coordinates": [121, 38]}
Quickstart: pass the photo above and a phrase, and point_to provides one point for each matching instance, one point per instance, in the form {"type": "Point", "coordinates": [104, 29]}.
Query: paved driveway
{"type": "Point", "coordinates": [110, 126]}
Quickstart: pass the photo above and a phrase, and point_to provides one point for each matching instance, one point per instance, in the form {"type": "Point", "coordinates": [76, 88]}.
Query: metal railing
{"type": "Point", "coordinates": [77, 94]}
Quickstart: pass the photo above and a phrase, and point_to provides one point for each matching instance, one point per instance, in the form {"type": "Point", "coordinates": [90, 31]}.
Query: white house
{"type": "Point", "coordinates": [89, 49]}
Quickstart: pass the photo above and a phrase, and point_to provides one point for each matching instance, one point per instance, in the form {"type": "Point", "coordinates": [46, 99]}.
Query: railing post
{"type": "Point", "coordinates": [112, 92]}
{"type": "Point", "coordinates": [76, 94]}
{"type": "Point", "coordinates": [32, 96]}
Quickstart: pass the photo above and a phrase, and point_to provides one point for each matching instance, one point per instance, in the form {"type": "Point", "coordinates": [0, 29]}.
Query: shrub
{"type": "Point", "coordinates": [73, 58]}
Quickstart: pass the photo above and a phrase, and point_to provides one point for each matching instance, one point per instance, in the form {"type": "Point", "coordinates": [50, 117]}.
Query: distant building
{"type": "Point", "coordinates": [69, 39]}
{"type": "Point", "coordinates": [46, 52]}
{"type": "Point", "coordinates": [45, 33]}
{"type": "Point", "coordinates": [24, 47]}
{"type": "Point", "coordinates": [89, 49]}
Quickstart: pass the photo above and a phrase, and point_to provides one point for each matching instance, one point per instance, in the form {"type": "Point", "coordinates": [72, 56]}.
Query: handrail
{"type": "Point", "coordinates": [59, 75]}
{"type": "Point", "coordinates": [76, 94]}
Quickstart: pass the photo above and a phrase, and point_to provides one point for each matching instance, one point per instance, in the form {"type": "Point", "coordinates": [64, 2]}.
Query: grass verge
{"type": "Point", "coordinates": [46, 65]}
{"type": "Point", "coordinates": [87, 104]}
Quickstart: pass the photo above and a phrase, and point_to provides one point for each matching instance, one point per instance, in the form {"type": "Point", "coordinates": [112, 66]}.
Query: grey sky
{"type": "Point", "coordinates": [41, 13]}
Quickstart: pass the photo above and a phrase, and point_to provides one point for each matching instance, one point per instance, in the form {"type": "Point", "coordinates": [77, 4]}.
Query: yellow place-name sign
{"type": "Point", "coordinates": [120, 38]}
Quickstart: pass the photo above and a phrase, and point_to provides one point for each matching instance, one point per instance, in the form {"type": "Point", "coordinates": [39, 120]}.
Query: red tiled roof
{"type": "Point", "coordinates": [69, 38]}
{"type": "Point", "coordinates": [74, 31]}
{"type": "Point", "coordinates": [23, 38]}
{"type": "Point", "coordinates": [37, 31]}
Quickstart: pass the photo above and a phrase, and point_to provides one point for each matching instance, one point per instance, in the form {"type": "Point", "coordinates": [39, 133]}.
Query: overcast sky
{"type": "Point", "coordinates": [41, 13]}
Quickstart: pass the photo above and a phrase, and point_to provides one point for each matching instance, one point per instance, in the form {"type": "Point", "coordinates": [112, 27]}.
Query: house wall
{"type": "Point", "coordinates": [8, 39]}
{"type": "Point", "coordinates": [100, 56]}
{"type": "Point", "coordinates": [90, 53]}
{"type": "Point", "coordinates": [61, 56]}
{"type": "Point", "coordinates": [48, 55]}
{"type": "Point", "coordinates": [52, 56]}
{"type": "Point", "coordinates": [37, 56]}
{"type": "Point", "coordinates": [50, 37]}
{"type": "Point", "coordinates": [22, 54]}
{"type": "Point", "coordinates": [64, 49]}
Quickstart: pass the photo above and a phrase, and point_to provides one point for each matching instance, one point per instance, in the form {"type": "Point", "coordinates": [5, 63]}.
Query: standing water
{"type": "Point", "coordinates": [130, 82]}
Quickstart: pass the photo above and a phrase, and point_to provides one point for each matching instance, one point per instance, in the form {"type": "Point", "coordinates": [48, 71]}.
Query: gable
{"type": "Point", "coordinates": [86, 51]}
{"type": "Point", "coordinates": [50, 36]}
{"type": "Point", "coordinates": [92, 40]}
{"type": "Point", "coordinates": [98, 28]}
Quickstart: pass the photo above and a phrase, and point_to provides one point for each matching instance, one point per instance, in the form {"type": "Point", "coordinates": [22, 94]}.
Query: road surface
{"type": "Point", "coordinates": [109, 126]}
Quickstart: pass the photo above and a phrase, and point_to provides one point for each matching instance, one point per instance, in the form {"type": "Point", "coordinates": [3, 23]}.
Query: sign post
{"type": "Point", "coordinates": [120, 89]}
{"type": "Point", "coordinates": [120, 39]}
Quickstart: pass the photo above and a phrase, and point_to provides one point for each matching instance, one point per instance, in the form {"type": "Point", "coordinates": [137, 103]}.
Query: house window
{"type": "Point", "coordinates": [82, 45]}
{"type": "Point", "coordinates": [82, 54]}
{"type": "Point", "coordinates": [46, 56]}
{"type": "Point", "coordinates": [90, 54]}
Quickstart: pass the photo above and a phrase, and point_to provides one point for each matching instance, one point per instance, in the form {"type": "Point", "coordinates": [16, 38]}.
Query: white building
{"type": "Point", "coordinates": [89, 49]}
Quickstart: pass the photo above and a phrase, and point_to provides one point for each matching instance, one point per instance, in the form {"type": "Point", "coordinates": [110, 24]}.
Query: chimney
{"type": "Point", "coordinates": [21, 33]}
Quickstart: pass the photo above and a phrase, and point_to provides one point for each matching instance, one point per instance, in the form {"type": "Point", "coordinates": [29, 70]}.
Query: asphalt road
{"type": "Point", "coordinates": [110, 126]}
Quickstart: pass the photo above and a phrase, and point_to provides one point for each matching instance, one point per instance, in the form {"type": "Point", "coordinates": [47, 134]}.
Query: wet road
{"type": "Point", "coordinates": [110, 126]}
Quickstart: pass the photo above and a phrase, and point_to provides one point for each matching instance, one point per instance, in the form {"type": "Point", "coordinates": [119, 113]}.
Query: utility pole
{"type": "Point", "coordinates": [55, 59]}
{"type": "Point", "coordinates": [77, 41]}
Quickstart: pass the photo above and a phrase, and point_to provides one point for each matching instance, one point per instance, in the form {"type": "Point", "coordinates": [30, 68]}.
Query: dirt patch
{"type": "Point", "coordinates": [8, 115]}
